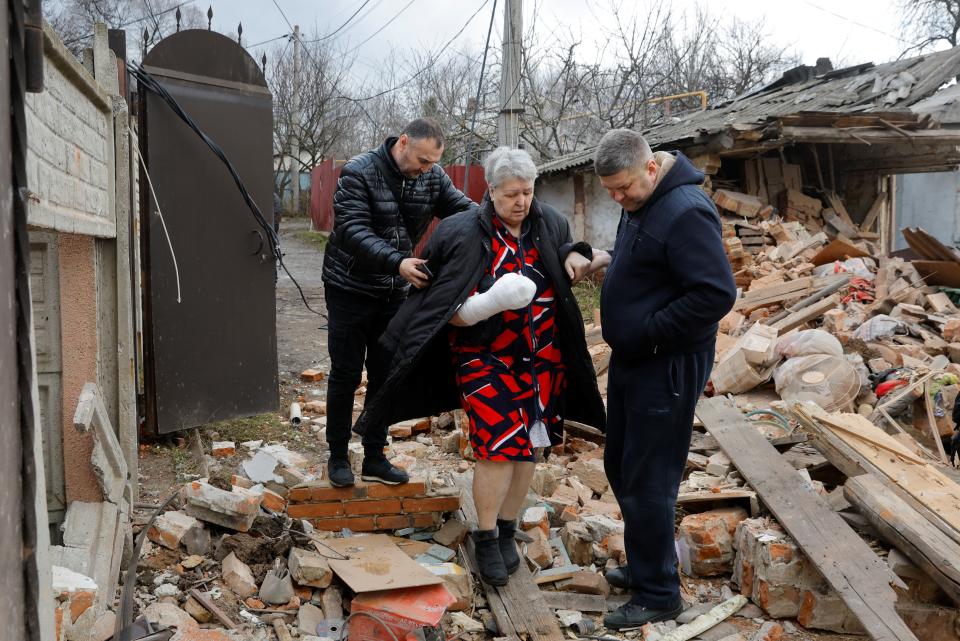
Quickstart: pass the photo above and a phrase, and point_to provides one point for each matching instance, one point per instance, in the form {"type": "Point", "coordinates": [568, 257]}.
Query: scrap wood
{"type": "Point", "coordinates": [906, 529]}
{"type": "Point", "coordinates": [373, 562]}
{"type": "Point", "coordinates": [932, 422]}
{"type": "Point", "coordinates": [517, 606]}
{"type": "Point", "coordinates": [221, 616]}
{"type": "Point", "coordinates": [574, 601]}
{"type": "Point", "coordinates": [851, 568]}
{"type": "Point", "coordinates": [707, 620]}
{"type": "Point", "coordinates": [834, 286]}
{"type": "Point", "coordinates": [921, 485]}
{"type": "Point", "coordinates": [806, 314]}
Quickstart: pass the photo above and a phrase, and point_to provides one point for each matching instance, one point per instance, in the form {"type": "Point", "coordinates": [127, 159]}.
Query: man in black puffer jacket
{"type": "Point", "coordinates": [384, 202]}
{"type": "Point", "coordinates": [667, 286]}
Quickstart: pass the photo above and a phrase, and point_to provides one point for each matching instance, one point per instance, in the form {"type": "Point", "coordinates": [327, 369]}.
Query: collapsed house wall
{"type": "Point", "coordinates": [80, 191]}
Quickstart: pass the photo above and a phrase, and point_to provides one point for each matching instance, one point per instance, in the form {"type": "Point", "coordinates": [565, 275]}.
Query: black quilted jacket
{"type": "Point", "coordinates": [372, 233]}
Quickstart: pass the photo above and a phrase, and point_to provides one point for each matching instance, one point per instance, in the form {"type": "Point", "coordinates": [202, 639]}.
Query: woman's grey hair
{"type": "Point", "coordinates": [620, 149]}
{"type": "Point", "coordinates": [505, 163]}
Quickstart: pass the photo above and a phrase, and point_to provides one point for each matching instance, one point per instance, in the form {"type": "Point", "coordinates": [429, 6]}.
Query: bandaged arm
{"type": "Point", "coordinates": [510, 291]}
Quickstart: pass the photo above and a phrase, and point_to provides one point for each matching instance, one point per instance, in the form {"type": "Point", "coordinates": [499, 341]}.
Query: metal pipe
{"type": "Point", "coordinates": [296, 417]}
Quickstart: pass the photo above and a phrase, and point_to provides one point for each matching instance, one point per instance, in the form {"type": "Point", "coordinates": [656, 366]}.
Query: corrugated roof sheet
{"type": "Point", "coordinates": [863, 88]}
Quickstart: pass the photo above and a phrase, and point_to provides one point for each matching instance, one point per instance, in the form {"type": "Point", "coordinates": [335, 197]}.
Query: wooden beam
{"type": "Point", "coordinates": [518, 606]}
{"type": "Point", "coordinates": [906, 529]}
{"type": "Point", "coordinates": [870, 136]}
{"type": "Point", "coordinates": [850, 567]}
{"type": "Point", "coordinates": [807, 314]}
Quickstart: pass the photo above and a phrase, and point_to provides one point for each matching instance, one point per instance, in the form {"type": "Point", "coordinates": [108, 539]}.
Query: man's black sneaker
{"type": "Point", "coordinates": [339, 472]}
{"type": "Point", "coordinates": [632, 615]}
{"type": "Point", "coordinates": [619, 577]}
{"type": "Point", "coordinates": [379, 469]}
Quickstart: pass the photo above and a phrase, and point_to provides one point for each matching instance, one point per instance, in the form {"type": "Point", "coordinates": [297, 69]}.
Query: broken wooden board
{"type": "Point", "coordinates": [906, 529]}
{"type": "Point", "coordinates": [574, 601]}
{"type": "Point", "coordinates": [943, 273]}
{"type": "Point", "coordinates": [374, 562]}
{"type": "Point", "coordinates": [856, 446]}
{"type": "Point", "coordinates": [851, 568]}
{"type": "Point", "coordinates": [807, 314]}
{"type": "Point", "coordinates": [518, 608]}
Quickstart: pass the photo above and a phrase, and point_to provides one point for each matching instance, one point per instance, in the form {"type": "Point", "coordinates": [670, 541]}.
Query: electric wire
{"type": "Point", "coordinates": [156, 201]}
{"type": "Point", "coordinates": [338, 29]}
{"type": "Point", "coordinates": [375, 33]}
{"type": "Point", "coordinates": [433, 62]}
{"type": "Point", "coordinates": [476, 102]}
{"type": "Point", "coordinates": [148, 82]}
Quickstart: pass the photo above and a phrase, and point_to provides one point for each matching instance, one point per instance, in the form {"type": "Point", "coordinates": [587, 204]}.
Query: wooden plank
{"type": "Point", "coordinates": [574, 601]}
{"type": "Point", "coordinates": [850, 567]}
{"type": "Point", "coordinates": [517, 606]}
{"type": "Point", "coordinates": [923, 487]}
{"type": "Point", "coordinates": [837, 249]}
{"type": "Point", "coordinates": [807, 314]}
{"type": "Point", "coordinates": [873, 212]}
{"type": "Point", "coordinates": [940, 303]}
{"type": "Point", "coordinates": [906, 529]}
{"type": "Point", "coordinates": [837, 204]}
{"type": "Point", "coordinates": [944, 273]}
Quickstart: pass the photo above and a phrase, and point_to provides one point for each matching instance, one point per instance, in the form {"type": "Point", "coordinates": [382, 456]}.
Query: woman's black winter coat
{"type": "Point", "coordinates": [421, 380]}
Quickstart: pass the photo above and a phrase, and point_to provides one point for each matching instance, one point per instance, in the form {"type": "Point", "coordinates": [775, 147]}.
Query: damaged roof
{"type": "Point", "coordinates": [861, 89]}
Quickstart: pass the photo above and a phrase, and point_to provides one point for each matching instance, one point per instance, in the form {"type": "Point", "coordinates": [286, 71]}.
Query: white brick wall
{"type": "Point", "coordinates": [70, 150]}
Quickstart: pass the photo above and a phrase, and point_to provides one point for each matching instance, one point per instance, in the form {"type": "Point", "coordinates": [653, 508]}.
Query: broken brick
{"type": "Point", "coordinates": [579, 543]}
{"type": "Point", "coordinates": [171, 527]}
{"type": "Point", "coordinates": [309, 568]}
{"type": "Point", "coordinates": [238, 577]}
{"type": "Point", "coordinates": [312, 375]}
{"type": "Point", "coordinates": [705, 541]}
{"type": "Point", "coordinates": [585, 582]}
{"type": "Point", "coordinates": [223, 449]}
{"type": "Point", "coordinates": [452, 533]}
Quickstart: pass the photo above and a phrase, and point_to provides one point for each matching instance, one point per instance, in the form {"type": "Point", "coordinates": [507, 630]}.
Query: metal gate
{"type": "Point", "coordinates": [210, 347]}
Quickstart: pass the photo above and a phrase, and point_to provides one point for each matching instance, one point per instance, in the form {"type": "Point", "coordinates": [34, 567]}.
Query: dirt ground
{"type": "Point", "coordinates": [301, 344]}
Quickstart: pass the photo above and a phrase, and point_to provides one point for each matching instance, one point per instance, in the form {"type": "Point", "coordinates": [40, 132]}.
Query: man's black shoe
{"type": "Point", "coordinates": [632, 615]}
{"type": "Point", "coordinates": [508, 546]}
{"type": "Point", "coordinates": [379, 469]}
{"type": "Point", "coordinates": [490, 564]}
{"type": "Point", "coordinates": [339, 472]}
{"type": "Point", "coordinates": [619, 577]}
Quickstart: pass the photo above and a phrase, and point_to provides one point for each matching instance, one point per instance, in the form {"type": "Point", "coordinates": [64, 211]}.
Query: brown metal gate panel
{"type": "Point", "coordinates": [211, 355]}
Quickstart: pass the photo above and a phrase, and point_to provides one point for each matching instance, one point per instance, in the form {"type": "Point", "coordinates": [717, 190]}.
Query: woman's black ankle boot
{"type": "Point", "coordinates": [508, 546]}
{"type": "Point", "coordinates": [489, 561]}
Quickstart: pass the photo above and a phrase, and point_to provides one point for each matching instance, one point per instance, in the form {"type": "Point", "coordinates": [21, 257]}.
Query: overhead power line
{"type": "Point", "coordinates": [338, 29]}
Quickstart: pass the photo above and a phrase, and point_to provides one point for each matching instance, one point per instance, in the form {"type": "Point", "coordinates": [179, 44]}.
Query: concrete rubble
{"type": "Point", "coordinates": [277, 511]}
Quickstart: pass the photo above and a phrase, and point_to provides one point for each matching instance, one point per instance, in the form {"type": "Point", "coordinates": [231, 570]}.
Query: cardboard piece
{"type": "Point", "coordinates": [374, 562]}
{"type": "Point", "coordinates": [837, 250]}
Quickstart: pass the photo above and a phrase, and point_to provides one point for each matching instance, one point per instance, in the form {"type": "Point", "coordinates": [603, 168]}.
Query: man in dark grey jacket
{"type": "Point", "coordinates": [384, 202]}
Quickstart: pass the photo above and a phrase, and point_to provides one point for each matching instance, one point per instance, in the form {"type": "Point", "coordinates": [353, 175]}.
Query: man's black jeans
{"type": "Point", "coordinates": [354, 326]}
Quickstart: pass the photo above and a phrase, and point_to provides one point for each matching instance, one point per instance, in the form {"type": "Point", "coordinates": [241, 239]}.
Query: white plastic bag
{"type": "Point", "coordinates": [807, 342]}
{"type": "Point", "coordinates": [879, 326]}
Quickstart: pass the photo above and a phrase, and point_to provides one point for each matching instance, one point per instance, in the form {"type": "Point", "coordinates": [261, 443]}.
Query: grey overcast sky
{"type": "Point", "coordinates": [850, 32]}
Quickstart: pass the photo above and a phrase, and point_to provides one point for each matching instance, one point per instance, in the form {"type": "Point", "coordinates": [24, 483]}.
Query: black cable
{"type": "Point", "coordinates": [147, 81]}
{"type": "Point", "coordinates": [375, 33]}
{"type": "Point", "coordinates": [476, 102]}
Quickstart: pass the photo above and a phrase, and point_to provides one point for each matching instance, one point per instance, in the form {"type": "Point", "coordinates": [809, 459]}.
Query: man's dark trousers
{"type": "Point", "coordinates": [354, 325]}
{"type": "Point", "coordinates": [650, 410]}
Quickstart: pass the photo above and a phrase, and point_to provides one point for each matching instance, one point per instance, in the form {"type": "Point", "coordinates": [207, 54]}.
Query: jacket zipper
{"type": "Point", "coordinates": [403, 185]}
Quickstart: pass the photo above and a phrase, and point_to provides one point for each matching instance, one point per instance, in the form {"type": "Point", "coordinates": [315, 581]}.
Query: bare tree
{"type": "Point", "coordinates": [326, 113]}
{"type": "Point", "coordinates": [928, 22]}
{"type": "Point", "coordinates": [73, 20]}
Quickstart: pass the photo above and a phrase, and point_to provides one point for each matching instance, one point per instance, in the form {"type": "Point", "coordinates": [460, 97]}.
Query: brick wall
{"type": "Point", "coordinates": [70, 149]}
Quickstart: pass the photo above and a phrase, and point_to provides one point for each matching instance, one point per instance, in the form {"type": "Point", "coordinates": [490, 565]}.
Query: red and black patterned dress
{"type": "Point", "coordinates": [506, 386]}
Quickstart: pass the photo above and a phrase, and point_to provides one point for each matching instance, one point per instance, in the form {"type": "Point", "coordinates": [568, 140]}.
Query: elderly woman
{"type": "Point", "coordinates": [497, 331]}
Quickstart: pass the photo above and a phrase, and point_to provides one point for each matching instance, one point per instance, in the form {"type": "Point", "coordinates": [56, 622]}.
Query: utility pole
{"type": "Point", "coordinates": [294, 172]}
{"type": "Point", "coordinates": [508, 123]}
